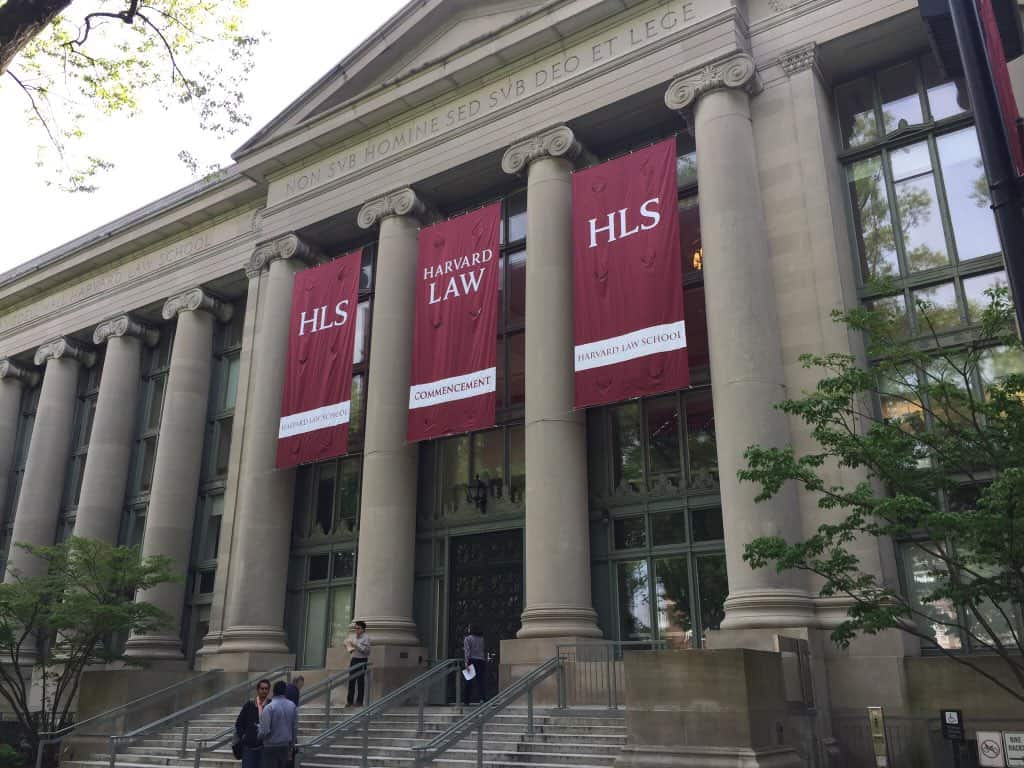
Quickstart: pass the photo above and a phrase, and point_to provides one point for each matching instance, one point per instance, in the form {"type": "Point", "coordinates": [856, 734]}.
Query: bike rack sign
{"type": "Point", "coordinates": [990, 749]}
{"type": "Point", "coordinates": [1013, 747]}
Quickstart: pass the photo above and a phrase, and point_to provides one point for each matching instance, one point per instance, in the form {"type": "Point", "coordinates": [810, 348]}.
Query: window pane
{"type": "Point", "coordinates": [230, 384]}
{"type": "Point", "coordinates": [366, 275]}
{"type": "Point", "coordinates": [516, 217]}
{"type": "Point", "coordinates": [314, 649]}
{"type": "Point", "coordinates": [156, 401]}
{"type": "Point", "coordinates": [896, 308]}
{"type": "Point", "coordinates": [357, 409]}
{"type": "Point", "coordinates": [211, 540]}
{"type": "Point", "coordinates": [626, 447]}
{"type": "Point", "coordinates": [662, 434]}
{"type": "Point", "coordinates": [341, 614]}
{"type": "Point", "coordinates": [686, 169]}
{"type": "Point", "coordinates": [325, 498]}
{"type": "Point", "coordinates": [148, 462]}
{"type": "Point", "coordinates": [713, 588]}
{"type": "Point", "coordinates": [901, 105]}
{"type": "Point", "coordinates": [672, 575]}
{"type": "Point", "coordinates": [941, 312]}
{"type": "Point", "coordinates": [515, 268]}
{"type": "Point", "coordinates": [319, 567]}
{"type": "Point", "coordinates": [974, 226]}
{"type": "Point", "coordinates": [362, 327]}
{"type": "Point", "coordinates": [344, 565]}
{"type": "Point", "coordinates": [974, 293]}
{"type": "Point", "coordinates": [695, 314]}
{"type": "Point", "coordinates": [924, 241]}
{"type": "Point", "coordinates": [707, 524]}
{"type": "Point", "coordinates": [898, 399]}
{"type": "Point", "coordinates": [88, 414]}
{"type": "Point", "coordinates": [998, 362]}
{"type": "Point", "coordinates": [517, 369]}
{"type": "Point", "coordinates": [634, 601]}
{"type": "Point", "coordinates": [924, 574]}
{"type": "Point", "coordinates": [872, 225]}
{"type": "Point", "coordinates": [668, 528]}
{"type": "Point", "coordinates": [857, 112]}
{"type": "Point", "coordinates": [348, 495]}
{"type": "Point", "coordinates": [489, 461]}
{"type": "Point", "coordinates": [700, 441]}
{"type": "Point", "coordinates": [206, 581]}
{"type": "Point", "coordinates": [689, 237]}
{"type": "Point", "coordinates": [454, 473]}
{"type": "Point", "coordinates": [630, 533]}
{"type": "Point", "coordinates": [945, 97]}
{"type": "Point", "coordinates": [517, 464]}
{"type": "Point", "coordinates": [223, 446]}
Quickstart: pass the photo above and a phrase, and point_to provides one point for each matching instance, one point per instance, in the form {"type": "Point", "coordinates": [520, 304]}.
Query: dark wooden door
{"type": "Point", "coordinates": [486, 589]}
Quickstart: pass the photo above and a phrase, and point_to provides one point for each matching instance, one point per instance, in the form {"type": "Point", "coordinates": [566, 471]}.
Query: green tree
{"type": "Point", "coordinates": [53, 626]}
{"type": "Point", "coordinates": [943, 473]}
{"type": "Point", "coordinates": [109, 56]}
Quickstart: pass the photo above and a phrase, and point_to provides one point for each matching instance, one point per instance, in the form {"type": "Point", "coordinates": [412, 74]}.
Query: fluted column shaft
{"type": "Point", "coordinates": [13, 379]}
{"type": "Point", "coordinates": [176, 471]}
{"type": "Point", "coordinates": [254, 609]}
{"type": "Point", "coordinates": [110, 446]}
{"type": "Point", "coordinates": [35, 520]}
{"type": "Point", "coordinates": [743, 334]}
{"type": "Point", "coordinates": [387, 516]}
{"type": "Point", "coordinates": [558, 599]}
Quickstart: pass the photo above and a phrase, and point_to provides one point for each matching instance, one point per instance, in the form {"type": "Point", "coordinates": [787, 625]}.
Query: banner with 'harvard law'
{"type": "Point", "coordinates": [627, 278]}
{"type": "Point", "coordinates": [453, 384]}
{"type": "Point", "coordinates": [318, 379]}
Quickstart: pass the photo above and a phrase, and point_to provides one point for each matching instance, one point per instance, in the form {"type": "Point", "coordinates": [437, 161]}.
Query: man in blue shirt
{"type": "Point", "coordinates": [279, 728]}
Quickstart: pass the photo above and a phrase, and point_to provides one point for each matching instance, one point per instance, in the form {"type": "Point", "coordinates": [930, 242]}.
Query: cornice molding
{"type": "Point", "coordinates": [11, 370]}
{"type": "Point", "coordinates": [289, 246]}
{"type": "Point", "coordinates": [796, 60]}
{"type": "Point", "coordinates": [125, 325]}
{"type": "Point", "coordinates": [196, 300]}
{"type": "Point", "coordinates": [736, 71]}
{"type": "Point", "coordinates": [555, 142]}
{"type": "Point", "coordinates": [399, 202]}
{"type": "Point", "coordinates": [63, 347]}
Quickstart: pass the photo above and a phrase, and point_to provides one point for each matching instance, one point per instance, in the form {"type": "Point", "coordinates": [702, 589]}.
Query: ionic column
{"type": "Point", "coordinates": [110, 445]}
{"type": "Point", "coordinates": [13, 380]}
{"type": "Point", "coordinates": [35, 520]}
{"type": "Point", "coordinates": [743, 333]}
{"type": "Point", "coordinates": [387, 514]}
{"type": "Point", "coordinates": [172, 500]}
{"type": "Point", "coordinates": [558, 601]}
{"type": "Point", "coordinates": [254, 606]}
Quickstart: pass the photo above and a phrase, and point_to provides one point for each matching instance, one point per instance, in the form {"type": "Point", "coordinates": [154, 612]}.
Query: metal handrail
{"type": "Point", "coordinates": [55, 737]}
{"type": "Point", "coordinates": [612, 653]}
{"type": "Point", "coordinates": [325, 686]}
{"type": "Point", "coordinates": [189, 712]}
{"type": "Point", "coordinates": [415, 687]}
{"type": "Point", "coordinates": [477, 719]}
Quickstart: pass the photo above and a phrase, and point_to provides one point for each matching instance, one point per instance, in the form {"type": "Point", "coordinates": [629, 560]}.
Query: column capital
{"type": "Point", "coordinates": [289, 246]}
{"type": "Point", "coordinates": [11, 370]}
{"type": "Point", "coordinates": [736, 71]}
{"type": "Point", "coordinates": [399, 202]}
{"type": "Point", "coordinates": [195, 300]}
{"type": "Point", "coordinates": [798, 59]}
{"type": "Point", "coordinates": [64, 347]}
{"type": "Point", "coordinates": [554, 142]}
{"type": "Point", "coordinates": [125, 325]}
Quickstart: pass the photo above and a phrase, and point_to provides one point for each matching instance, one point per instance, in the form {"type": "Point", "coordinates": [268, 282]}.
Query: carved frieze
{"type": "Point", "coordinates": [736, 71]}
{"type": "Point", "coordinates": [196, 300]}
{"type": "Point", "coordinates": [64, 347]}
{"type": "Point", "coordinates": [400, 202]}
{"type": "Point", "coordinates": [125, 325]}
{"type": "Point", "coordinates": [556, 142]}
{"type": "Point", "coordinates": [11, 370]}
{"type": "Point", "coordinates": [798, 59]}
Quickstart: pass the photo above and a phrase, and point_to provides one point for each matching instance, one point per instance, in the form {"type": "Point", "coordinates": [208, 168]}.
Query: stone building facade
{"type": "Point", "coordinates": [142, 364]}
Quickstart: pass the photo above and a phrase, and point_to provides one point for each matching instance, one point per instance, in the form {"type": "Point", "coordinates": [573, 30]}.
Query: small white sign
{"type": "Point", "coordinates": [1013, 746]}
{"type": "Point", "coordinates": [990, 749]}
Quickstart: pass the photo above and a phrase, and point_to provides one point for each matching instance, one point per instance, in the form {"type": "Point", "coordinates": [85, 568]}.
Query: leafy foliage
{"type": "Point", "coordinates": [55, 625]}
{"type": "Point", "coordinates": [943, 469]}
{"type": "Point", "coordinates": [100, 57]}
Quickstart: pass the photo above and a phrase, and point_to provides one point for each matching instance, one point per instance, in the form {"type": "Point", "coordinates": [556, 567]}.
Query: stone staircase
{"type": "Point", "coordinates": [588, 739]}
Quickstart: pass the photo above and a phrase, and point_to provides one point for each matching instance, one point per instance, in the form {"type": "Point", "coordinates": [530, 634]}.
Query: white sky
{"type": "Point", "coordinates": [307, 38]}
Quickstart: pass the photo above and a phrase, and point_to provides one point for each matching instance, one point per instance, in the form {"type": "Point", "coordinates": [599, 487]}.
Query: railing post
{"type": "Point", "coordinates": [561, 686]}
{"type": "Point", "coordinates": [113, 752]}
{"type": "Point", "coordinates": [458, 687]}
{"type": "Point", "coordinates": [366, 743]}
{"type": "Point", "coordinates": [529, 711]}
{"type": "Point", "coordinates": [199, 752]}
{"type": "Point", "coordinates": [184, 738]}
{"type": "Point", "coordinates": [368, 682]}
{"type": "Point", "coordinates": [39, 754]}
{"type": "Point", "coordinates": [480, 746]}
{"type": "Point", "coordinates": [613, 688]}
{"type": "Point", "coordinates": [419, 711]}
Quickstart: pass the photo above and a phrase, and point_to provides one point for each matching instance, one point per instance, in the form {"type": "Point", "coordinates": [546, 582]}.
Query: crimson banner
{"type": "Point", "coordinates": [627, 278]}
{"type": "Point", "coordinates": [453, 384]}
{"type": "Point", "coordinates": [318, 380]}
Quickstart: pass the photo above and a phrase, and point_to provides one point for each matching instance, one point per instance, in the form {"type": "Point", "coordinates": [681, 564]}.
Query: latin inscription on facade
{"type": "Point", "coordinates": [651, 27]}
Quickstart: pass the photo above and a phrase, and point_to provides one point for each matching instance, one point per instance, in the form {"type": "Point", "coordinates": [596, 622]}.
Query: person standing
{"type": "Point", "coordinates": [476, 656]}
{"type": "Point", "coordinates": [247, 726]}
{"type": "Point", "coordinates": [279, 728]}
{"type": "Point", "coordinates": [295, 689]}
{"type": "Point", "coordinates": [359, 646]}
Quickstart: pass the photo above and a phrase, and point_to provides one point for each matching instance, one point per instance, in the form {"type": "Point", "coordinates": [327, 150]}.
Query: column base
{"type": "Point", "coordinates": [708, 757]}
{"type": "Point", "coordinates": [547, 621]}
{"type": "Point", "coordinates": [246, 661]}
{"type": "Point", "coordinates": [211, 644]}
{"type": "Point", "coordinates": [156, 647]}
{"type": "Point", "coordinates": [254, 639]}
{"type": "Point", "coordinates": [390, 630]}
{"type": "Point", "coordinates": [769, 608]}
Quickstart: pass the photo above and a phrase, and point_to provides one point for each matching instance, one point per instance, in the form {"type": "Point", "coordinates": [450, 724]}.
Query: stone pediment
{"type": "Point", "coordinates": [422, 34]}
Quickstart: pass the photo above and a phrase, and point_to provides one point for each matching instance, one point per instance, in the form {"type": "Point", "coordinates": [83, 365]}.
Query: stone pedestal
{"type": "Point", "coordinates": [706, 709]}
{"type": "Point", "coordinates": [105, 479]}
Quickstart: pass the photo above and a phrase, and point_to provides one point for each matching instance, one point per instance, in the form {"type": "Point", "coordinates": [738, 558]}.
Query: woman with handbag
{"type": "Point", "coordinates": [246, 745]}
